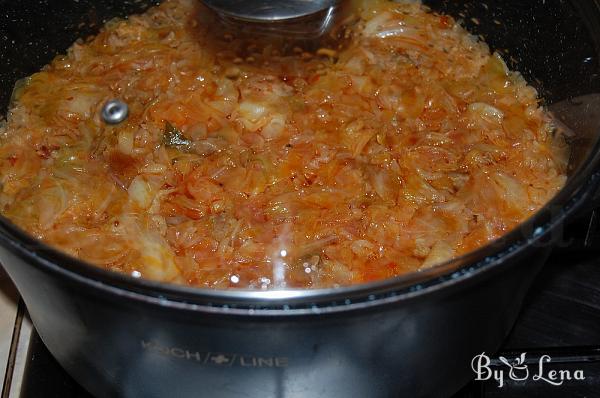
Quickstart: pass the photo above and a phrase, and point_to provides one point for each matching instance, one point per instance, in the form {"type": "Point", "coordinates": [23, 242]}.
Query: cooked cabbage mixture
{"type": "Point", "coordinates": [245, 165]}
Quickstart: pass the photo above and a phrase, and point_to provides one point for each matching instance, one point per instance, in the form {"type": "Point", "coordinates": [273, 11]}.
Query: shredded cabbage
{"type": "Point", "coordinates": [243, 166]}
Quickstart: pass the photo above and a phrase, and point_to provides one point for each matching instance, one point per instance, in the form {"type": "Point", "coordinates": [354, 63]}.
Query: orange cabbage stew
{"type": "Point", "coordinates": [246, 166]}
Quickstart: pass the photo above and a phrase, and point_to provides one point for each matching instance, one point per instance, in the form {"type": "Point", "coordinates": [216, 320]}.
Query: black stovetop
{"type": "Point", "coordinates": [560, 318]}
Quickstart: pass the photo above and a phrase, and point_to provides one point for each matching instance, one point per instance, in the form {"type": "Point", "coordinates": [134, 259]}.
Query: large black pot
{"type": "Point", "coordinates": [411, 336]}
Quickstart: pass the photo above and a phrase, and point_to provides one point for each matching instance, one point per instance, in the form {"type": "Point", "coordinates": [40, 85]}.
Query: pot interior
{"type": "Point", "coordinates": [553, 43]}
